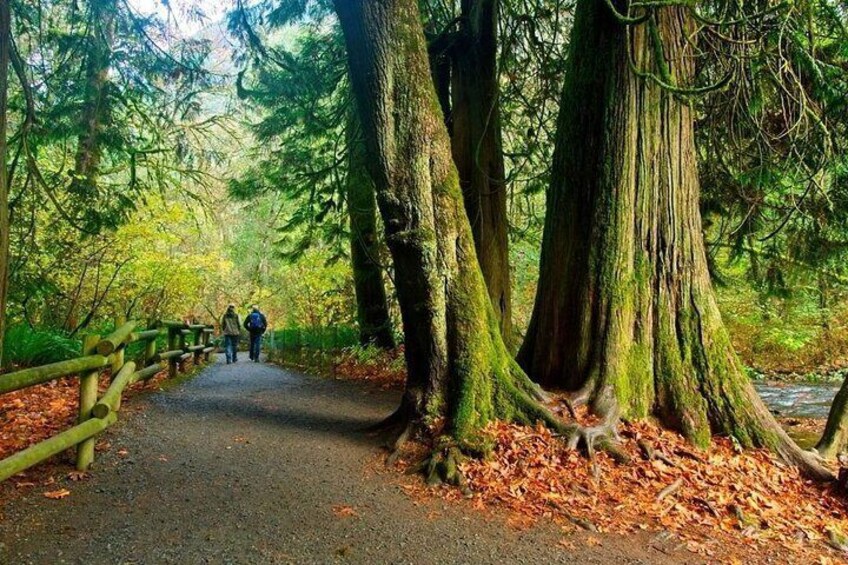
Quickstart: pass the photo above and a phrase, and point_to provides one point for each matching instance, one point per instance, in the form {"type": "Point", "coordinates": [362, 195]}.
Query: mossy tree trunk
{"type": "Point", "coordinates": [95, 111]}
{"type": "Point", "coordinates": [478, 149]}
{"type": "Point", "coordinates": [834, 440]}
{"type": "Point", "coordinates": [372, 308]}
{"type": "Point", "coordinates": [5, 222]}
{"type": "Point", "coordinates": [625, 312]}
{"type": "Point", "coordinates": [460, 374]}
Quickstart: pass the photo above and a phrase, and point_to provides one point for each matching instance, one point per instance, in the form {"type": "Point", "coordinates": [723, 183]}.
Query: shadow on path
{"type": "Point", "coordinates": [250, 463]}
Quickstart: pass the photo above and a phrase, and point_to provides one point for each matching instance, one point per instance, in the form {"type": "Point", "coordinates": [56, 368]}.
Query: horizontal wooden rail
{"type": "Point", "coordinates": [111, 399]}
{"type": "Point", "coordinates": [25, 459]}
{"type": "Point", "coordinates": [96, 415]}
{"type": "Point", "coordinates": [146, 373]}
{"type": "Point", "coordinates": [114, 340]}
{"type": "Point", "coordinates": [164, 355]}
{"type": "Point", "coordinates": [145, 335]}
{"type": "Point", "coordinates": [37, 375]}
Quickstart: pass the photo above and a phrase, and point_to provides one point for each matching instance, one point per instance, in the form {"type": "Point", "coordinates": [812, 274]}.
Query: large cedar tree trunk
{"type": "Point", "coordinates": [625, 312]}
{"type": "Point", "coordinates": [5, 227]}
{"type": "Point", "coordinates": [372, 308]}
{"type": "Point", "coordinates": [478, 149]}
{"type": "Point", "coordinates": [460, 374]}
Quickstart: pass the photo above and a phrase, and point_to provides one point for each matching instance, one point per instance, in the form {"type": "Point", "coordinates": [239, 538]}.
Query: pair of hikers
{"type": "Point", "coordinates": [255, 324]}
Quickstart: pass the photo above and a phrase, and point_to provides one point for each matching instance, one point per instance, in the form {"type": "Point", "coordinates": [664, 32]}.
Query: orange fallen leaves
{"type": "Point", "coordinates": [344, 511]}
{"type": "Point", "coordinates": [773, 501]}
{"type": "Point", "coordinates": [726, 502]}
{"type": "Point", "coordinates": [34, 414]}
{"type": "Point", "coordinates": [57, 494]}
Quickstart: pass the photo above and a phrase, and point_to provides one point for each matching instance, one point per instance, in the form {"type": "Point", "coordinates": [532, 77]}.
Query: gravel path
{"type": "Point", "coordinates": [245, 463]}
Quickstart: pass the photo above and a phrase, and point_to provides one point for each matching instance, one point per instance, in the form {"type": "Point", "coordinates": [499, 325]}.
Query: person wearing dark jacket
{"type": "Point", "coordinates": [231, 328]}
{"type": "Point", "coordinates": [256, 324]}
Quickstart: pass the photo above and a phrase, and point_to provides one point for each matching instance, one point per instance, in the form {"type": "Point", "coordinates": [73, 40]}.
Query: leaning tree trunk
{"type": "Point", "coordinates": [625, 312]}
{"type": "Point", "coordinates": [834, 440]}
{"type": "Point", "coordinates": [460, 374]}
{"type": "Point", "coordinates": [375, 327]}
{"type": "Point", "coordinates": [478, 149]}
{"type": "Point", "coordinates": [5, 227]}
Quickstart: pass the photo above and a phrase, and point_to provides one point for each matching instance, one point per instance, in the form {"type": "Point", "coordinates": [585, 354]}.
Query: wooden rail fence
{"type": "Point", "coordinates": [98, 353]}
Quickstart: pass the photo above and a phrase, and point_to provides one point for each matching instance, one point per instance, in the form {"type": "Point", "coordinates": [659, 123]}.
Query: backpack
{"type": "Point", "coordinates": [256, 322]}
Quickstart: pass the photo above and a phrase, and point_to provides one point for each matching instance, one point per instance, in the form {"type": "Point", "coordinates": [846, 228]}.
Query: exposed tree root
{"type": "Point", "coordinates": [397, 428]}
{"type": "Point", "coordinates": [650, 454]}
{"type": "Point", "coordinates": [669, 490]}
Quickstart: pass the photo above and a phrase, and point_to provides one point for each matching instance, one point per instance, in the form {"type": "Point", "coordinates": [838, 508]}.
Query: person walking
{"type": "Point", "coordinates": [256, 324]}
{"type": "Point", "coordinates": [231, 328]}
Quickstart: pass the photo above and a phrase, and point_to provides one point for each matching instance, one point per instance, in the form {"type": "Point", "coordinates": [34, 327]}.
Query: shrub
{"type": "Point", "coordinates": [30, 347]}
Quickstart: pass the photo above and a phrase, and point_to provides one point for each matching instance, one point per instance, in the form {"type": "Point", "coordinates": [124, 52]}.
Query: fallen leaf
{"type": "Point", "coordinates": [344, 511]}
{"type": "Point", "coordinates": [77, 475]}
{"type": "Point", "coordinates": [567, 544]}
{"type": "Point", "coordinates": [57, 494]}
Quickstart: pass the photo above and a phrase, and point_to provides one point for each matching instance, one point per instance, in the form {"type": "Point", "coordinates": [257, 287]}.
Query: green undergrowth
{"type": "Point", "coordinates": [316, 338]}
{"type": "Point", "coordinates": [320, 362]}
{"type": "Point", "coordinates": [356, 362]}
{"type": "Point", "coordinates": [26, 346]}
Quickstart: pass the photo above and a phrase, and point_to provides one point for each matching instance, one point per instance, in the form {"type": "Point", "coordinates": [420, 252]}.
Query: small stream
{"type": "Point", "coordinates": [792, 400]}
{"type": "Point", "coordinates": [798, 400]}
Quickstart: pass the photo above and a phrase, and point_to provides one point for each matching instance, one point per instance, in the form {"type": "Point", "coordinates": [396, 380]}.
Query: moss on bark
{"type": "Point", "coordinates": [372, 308]}
{"type": "Point", "coordinates": [478, 150]}
{"type": "Point", "coordinates": [461, 375]}
{"type": "Point", "coordinates": [625, 312]}
{"type": "Point", "coordinates": [834, 440]}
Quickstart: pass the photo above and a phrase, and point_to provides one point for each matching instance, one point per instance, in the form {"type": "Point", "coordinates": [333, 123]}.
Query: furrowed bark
{"type": "Point", "coordinates": [372, 310]}
{"type": "Point", "coordinates": [478, 150]}
{"type": "Point", "coordinates": [625, 312]}
{"type": "Point", "coordinates": [460, 374]}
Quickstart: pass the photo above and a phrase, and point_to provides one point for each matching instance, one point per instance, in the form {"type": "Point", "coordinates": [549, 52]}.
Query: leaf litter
{"type": "Point", "coordinates": [721, 503]}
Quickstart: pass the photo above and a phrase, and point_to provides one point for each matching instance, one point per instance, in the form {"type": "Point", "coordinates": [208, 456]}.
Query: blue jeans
{"type": "Point", "coordinates": [231, 347]}
{"type": "Point", "coordinates": [255, 346]}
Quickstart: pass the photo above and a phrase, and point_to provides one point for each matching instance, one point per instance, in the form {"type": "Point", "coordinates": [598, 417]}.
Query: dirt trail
{"type": "Point", "coordinates": [245, 464]}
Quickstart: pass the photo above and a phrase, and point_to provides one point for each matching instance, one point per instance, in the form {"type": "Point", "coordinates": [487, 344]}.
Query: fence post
{"type": "Point", "coordinates": [87, 399]}
{"type": "Point", "coordinates": [149, 352]}
{"type": "Point", "coordinates": [181, 345]}
{"type": "Point", "coordinates": [118, 358]}
{"type": "Point", "coordinates": [172, 345]}
{"type": "Point", "coordinates": [198, 340]}
{"type": "Point", "coordinates": [118, 355]}
{"type": "Point", "coordinates": [207, 339]}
